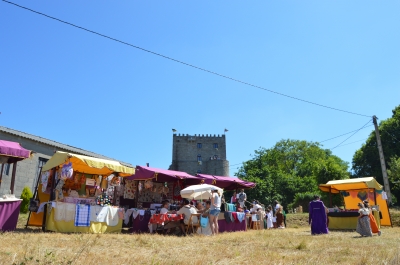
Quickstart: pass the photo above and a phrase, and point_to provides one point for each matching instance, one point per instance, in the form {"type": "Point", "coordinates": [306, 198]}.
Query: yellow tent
{"type": "Point", "coordinates": [88, 165]}
{"type": "Point", "coordinates": [358, 189]}
{"type": "Point", "coordinates": [82, 164]}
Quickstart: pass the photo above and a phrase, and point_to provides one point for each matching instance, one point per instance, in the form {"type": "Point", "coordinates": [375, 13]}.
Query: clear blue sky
{"type": "Point", "coordinates": [74, 87]}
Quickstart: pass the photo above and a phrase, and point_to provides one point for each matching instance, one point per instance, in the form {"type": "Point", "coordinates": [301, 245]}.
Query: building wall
{"type": "Point", "coordinates": [186, 153]}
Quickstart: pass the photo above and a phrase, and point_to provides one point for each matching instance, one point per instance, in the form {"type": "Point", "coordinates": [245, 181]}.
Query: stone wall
{"type": "Point", "coordinates": [200, 153]}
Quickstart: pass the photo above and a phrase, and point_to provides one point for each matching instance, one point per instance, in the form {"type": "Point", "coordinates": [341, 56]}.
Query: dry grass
{"type": "Point", "coordinates": [286, 246]}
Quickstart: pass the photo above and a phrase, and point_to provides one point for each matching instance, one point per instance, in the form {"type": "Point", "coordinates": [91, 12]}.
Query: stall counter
{"type": "Point", "coordinates": [225, 226]}
{"type": "Point", "coordinates": [69, 226]}
{"type": "Point", "coordinates": [347, 220]}
{"type": "Point", "coordinates": [9, 212]}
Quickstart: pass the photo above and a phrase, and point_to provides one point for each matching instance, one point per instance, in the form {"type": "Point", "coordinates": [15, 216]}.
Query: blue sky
{"type": "Point", "coordinates": [77, 88]}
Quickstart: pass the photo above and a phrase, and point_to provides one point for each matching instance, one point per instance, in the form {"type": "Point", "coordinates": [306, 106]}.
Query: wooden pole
{"type": "Point", "coordinates": [374, 196]}
{"type": "Point", "coordinates": [330, 197]}
{"type": "Point", "coordinates": [53, 184]}
{"type": "Point", "coordinates": [1, 173]}
{"type": "Point", "coordinates": [14, 171]}
{"type": "Point", "coordinates": [382, 160]}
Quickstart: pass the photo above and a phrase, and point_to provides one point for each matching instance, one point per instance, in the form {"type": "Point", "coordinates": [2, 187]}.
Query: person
{"type": "Point", "coordinates": [206, 213]}
{"type": "Point", "coordinates": [241, 197]}
{"type": "Point", "coordinates": [199, 207]}
{"type": "Point", "coordinates": [317, 217]}
{"type": "Point", "coordinates": [268, 216]}
{"type": "Point", "coordinates": [215, 209]}
{"type": "Point", "coordinates": [256, 207]}
{"type": "Point", "coordinates": [165, 207]}
{"type": "Point", "coordinates": [374, 226]}
{"type": "Point", "coordinates": [276, 206]}
{"type": "Point", "coordinates": [363, 224]}
{"type": "Point", "coordinates": [279, 217]}
{"type": "Point", "coordinates": [187, 210]}
{"type": "Point", "coordinates": [233, 198]}
{"type": "Point", "coordinates": [239, 208]}
{"type": "Point", "coordinates": [284, 216]}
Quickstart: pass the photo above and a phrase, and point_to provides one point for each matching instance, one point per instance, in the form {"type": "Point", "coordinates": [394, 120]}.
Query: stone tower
{"type": "Point", "coordinates": [200, 154]}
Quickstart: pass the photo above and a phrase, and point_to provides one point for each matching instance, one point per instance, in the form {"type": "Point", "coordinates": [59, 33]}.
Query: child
{"type": "Point", "coordinates": [269, 217]}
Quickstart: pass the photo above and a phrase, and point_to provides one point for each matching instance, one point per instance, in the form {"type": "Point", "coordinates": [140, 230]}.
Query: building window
{"type": "Point", "coordinates": [6, 170]}
{"type": "Point", "coordinates": [215, 157]}
{"type": "Point", "coordinates": [198, 158]}
{"type": "Point", "coordinates": [199, 171]}
{"type": "Point", "coordinates": [215, 145]}
{"type": "Point", "coordinates": [199, 145]}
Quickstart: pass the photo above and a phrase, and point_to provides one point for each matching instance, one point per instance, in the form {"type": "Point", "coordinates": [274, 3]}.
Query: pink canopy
{"type": "Point", "coordinates": [227, 183]}
{"type": "Point", "coordinates": [13, 149]}
{"type": "Point", "coordinates": [159, 175]}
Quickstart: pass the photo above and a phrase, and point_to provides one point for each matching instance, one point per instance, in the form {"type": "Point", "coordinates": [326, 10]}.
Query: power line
{"type": "Point", "coordinates": [184, 63]}
{"type": "Point", "coordinates": [343, 134]}
{"type": "Point", "coordinates": [351, 135]}
{"type": "Point", "coordinates": [353, 142]}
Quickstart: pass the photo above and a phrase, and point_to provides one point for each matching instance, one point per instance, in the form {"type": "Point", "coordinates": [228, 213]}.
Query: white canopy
{"type": "Point", "coordinates": [199, 192]}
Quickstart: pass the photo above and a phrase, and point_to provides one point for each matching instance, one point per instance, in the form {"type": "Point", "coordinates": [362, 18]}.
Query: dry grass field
{"type": "Point", "coordinates": [293, 245]}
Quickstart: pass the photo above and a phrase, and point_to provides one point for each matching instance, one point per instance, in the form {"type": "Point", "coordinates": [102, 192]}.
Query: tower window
{"type": "Point", "coordinates": [199, 145]}
{"type": "Point", "coordinates": [199, 171]}
{"type": "Point", "coordinates": [215, 145]}
{"type": "Point", "coordinates": [199, 158]}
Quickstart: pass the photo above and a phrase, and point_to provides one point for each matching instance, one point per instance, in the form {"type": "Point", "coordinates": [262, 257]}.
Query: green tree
{"type": "Point", "coordinates": [366, 161]}
{"type": "Point", "coordinates": [394, 175]}
{"type": "Point", "coordinates": [289, 168]}
{"type": "Point", "coordinates": [26, 195]}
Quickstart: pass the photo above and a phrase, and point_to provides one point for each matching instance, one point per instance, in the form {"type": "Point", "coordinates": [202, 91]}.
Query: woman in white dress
{"type": "Point", "coordinates": [269, 217]}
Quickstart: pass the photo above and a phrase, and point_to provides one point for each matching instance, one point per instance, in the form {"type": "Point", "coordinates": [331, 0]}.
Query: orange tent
{"type": "Point", "coordinates": [359, 189]}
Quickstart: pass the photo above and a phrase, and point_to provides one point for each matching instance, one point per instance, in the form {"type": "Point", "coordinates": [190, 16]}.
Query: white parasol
{"type": "Point", "coordinates": [199, 192]}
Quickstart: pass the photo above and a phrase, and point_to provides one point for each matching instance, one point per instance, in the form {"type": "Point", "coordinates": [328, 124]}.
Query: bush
{"type": "Point", "coordinates": [26, 195]}
{"type": "Point", "coordinates": [303, 199]}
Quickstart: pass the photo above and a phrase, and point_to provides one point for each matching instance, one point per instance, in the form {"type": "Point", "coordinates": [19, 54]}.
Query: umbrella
{"type": "Point", "coordinates": [199, 192]}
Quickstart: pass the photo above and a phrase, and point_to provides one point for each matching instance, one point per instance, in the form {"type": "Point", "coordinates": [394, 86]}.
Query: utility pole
{"type": "Point", "coordinates": [382, 159]}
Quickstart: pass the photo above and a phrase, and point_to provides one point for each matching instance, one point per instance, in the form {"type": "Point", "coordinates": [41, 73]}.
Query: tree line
{"type": "Point", "coordinates": [291, 170]}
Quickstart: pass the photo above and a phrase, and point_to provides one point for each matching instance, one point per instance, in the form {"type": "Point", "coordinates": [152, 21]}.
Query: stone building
{"type": "Point", "coordinates": [200, 154]}
{"type": "Point", "coordinates": [28, 169]}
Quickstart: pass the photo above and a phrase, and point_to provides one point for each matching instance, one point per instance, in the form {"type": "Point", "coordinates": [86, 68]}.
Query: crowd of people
{"type": "Point", "coordinates": [206, 213]}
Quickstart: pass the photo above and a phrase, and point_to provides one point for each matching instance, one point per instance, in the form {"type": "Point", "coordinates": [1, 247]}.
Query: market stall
{"type": "Point", "coordinates": [10, 153]}
{"type": "Point", "coordinates": [226, 183]}
{"type": "Point", "coordinates": [354, 191]}
{"type": "Point", "coordinates": [229, 220]}
{"type": "Point", "coordinates": [150, 186]}
{"type": "Point", "coordinates": [80, 194]}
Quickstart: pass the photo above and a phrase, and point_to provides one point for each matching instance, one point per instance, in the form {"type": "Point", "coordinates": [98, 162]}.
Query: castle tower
{"type": "Point", "coordinates": [200, 154]}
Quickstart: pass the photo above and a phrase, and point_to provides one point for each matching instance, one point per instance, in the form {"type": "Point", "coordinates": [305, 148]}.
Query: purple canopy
{"type": "Point", "coordinates": [14, 150]}
{"type": "Point", "coordinates": [159, 175]}
{"type": "Point", "coordinates": [227, 183]}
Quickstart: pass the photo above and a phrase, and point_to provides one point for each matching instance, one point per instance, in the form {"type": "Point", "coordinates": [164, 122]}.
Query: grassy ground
{"type": "Point", "coordinates": [293, 245]}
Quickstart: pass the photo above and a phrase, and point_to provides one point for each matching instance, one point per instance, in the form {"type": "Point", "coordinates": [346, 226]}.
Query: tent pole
{"type": "Point", "coordinates": [1, 173]}
{"type": "Point", "coordinates": [34, 194]}
{"type": "Point", "coordinates": [374, 196]}
{"type": "Point", "coordinates": [53, 184]}
{"type": "Point", "coordinates": [330, 197]}
{"type": "Point", "coordinates": [14, 171]}
{"type": "Point", "coordinates": [390, 217]}
{"type": "Point", "coordinates": [137, 193]}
